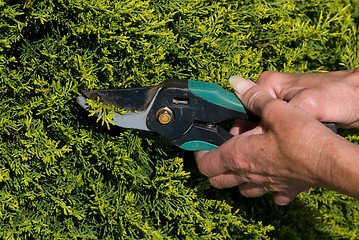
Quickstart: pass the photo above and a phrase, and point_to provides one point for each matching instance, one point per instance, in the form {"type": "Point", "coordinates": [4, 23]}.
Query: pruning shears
{"type": "Point", "coordinates": [187, 112]}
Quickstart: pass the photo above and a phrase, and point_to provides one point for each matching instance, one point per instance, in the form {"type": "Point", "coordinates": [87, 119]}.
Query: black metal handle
{"type": "Point", "coordinates": [331, 126]}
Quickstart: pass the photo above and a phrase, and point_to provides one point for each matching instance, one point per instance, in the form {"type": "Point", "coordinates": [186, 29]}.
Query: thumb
{"type": "Point", "coordinates": [251, 95]}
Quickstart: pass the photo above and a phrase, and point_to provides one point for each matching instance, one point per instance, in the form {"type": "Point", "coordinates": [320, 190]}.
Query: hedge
{"type": "Point", "coordinates": [65, 176]}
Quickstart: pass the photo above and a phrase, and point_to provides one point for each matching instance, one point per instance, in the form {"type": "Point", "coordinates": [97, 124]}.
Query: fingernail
{"type": "Point", "coordinates": [240, 84]}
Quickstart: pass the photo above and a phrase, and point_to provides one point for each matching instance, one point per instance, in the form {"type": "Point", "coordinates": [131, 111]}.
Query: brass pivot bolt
{"type": "Point", "coordinates": [164, 115]}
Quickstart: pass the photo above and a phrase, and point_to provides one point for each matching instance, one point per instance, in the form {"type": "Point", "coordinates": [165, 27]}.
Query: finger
{"type": "Point", "coordinates": [230, 156]}
{"type": "Point", "coordinates": [226, 180]}
{"type": "Point", "coordinates": [240, 126]}
{"type": "Point", "coordinates": [251, 95]}
{"type": "Point", "coordinates": [284, 198]}
{"type": "Point", "coordinates": [314, 102]}
{"type": "Point", "coordinates": [217, 161]}
{"type": "Point", "coordinates": [249, 189]}
{"type": "Point", "coordinates": [273, 82]}
{"type": "Point", "coordinates": [210, 163]}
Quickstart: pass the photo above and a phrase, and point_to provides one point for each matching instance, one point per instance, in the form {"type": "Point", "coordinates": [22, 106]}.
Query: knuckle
{"type": "Point", "coordinates": [311, 102]}
{"type": "Point", "coordinates": [201, 160]}
{"type": "Point", "coordinates": [270, 109]}
{"type": "Point", "coordinates": [267, 76]}
{"type": "Point", "coordinates": [255, 99]}
{"type": "Point", "coordinates": [270, 77]}
{"type": "Point", "coordinates": [238, 162]}
{"type": "Point", "coordinates": [203, 171]}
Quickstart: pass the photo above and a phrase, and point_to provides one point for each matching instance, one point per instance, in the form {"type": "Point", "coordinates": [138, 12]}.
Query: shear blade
{"type": "Point", "coordinates": [132, 99]}
{"type": "Point", "coordinates": [136, 100]}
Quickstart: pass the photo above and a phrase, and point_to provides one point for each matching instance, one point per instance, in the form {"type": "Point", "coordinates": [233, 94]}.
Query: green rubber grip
{"type": "Point", "coordinates": [198, 146]}
{"type": "Point", "coordinates": [214, 93]}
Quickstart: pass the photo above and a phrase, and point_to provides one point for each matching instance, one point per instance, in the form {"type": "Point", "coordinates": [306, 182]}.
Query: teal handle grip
{"type": "Point", "coordinates": [214, 105]}
{"type": "Point", "coordinates": [198, 146]}
{"type": "Point", "coordinates": [214, 93]}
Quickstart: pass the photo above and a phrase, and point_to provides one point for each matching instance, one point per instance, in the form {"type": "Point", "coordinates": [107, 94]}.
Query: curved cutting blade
{"type": "Point", "coordinates": [136, 100]}
{"type": "Point", "coordinates": [131, 99]}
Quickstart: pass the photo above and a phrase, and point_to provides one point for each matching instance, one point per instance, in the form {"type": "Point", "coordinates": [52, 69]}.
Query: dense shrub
{"type": "Point", "coordinates": [64, 176]}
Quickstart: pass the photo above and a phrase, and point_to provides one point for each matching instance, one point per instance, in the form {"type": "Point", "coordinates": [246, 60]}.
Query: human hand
{"type": "Point", "coordinates": [285, 154]}
{"type": "Point", "coordinates": [329, 97]}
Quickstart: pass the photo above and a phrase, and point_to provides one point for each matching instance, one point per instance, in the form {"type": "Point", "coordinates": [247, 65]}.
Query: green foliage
{"type": "Point", "coordinates": [103, 112]}
{"type": "Point", "coordinates": [63, 176]}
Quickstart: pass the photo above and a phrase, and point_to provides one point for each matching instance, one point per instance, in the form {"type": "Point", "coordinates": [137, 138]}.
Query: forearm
{"type": "Point", "coordinates": [340, 168]}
